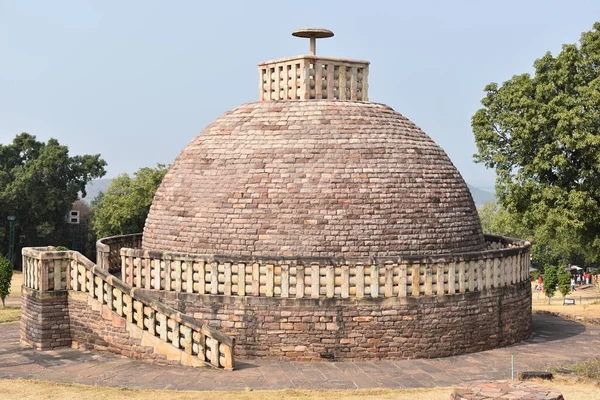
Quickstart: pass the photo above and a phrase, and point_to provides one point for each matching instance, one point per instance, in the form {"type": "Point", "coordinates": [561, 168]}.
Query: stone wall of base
{"type": "Point", "coordinates": [369, 328]}
{"type": "Point", "coordinates": [44, 319]}
{"type": "Point", "coordinates": [94, 326]}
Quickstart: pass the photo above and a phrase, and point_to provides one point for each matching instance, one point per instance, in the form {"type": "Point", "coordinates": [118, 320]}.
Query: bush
{"type": "Point", "coordinates": [535, 274]}
{"type": "Point", "coordinates": [61, 248]}
{"type": "Point", "coordinates": [550, 281]}
{"type": "Point", "coordinates": [564, 281]}
{"type": "Point", "coordinates": [6, 271]}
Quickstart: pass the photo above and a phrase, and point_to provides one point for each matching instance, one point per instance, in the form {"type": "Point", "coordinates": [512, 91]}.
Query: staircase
{"type": "Point", "coordinates": [68, 300]}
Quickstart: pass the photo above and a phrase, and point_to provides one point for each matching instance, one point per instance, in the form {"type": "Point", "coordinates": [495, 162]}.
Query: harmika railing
{"type": "Point", "coordinates": [313, 77]}
{"type": "Point", "coordinates": [48, 270]}
{"type": "Point", "coordinates": [505, 263]}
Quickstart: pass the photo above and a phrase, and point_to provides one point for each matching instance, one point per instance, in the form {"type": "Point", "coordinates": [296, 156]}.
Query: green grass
{"type": "Point", "coordinates": [588, 370]}
{"type": "Point", "coordinates": [9, 314]}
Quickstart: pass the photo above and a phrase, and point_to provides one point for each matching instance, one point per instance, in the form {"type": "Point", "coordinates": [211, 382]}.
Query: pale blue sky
{"type": "Point", "coordinates": [137, 80]}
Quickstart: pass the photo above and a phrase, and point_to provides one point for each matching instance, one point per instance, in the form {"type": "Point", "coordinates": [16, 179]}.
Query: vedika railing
{"type": "Point", "coordinates": [505, 263]}
{"type": "Point", "coordinates": [48, 270]}
{"type": "Point", "coordinates": [108, 250]}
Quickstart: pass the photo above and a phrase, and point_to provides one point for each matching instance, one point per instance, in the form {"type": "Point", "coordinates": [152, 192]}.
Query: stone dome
{"type": "Point", "coordinates": [313, 178]}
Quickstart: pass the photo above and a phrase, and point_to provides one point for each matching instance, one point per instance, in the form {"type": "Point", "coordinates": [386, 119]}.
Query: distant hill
{"type": "Point", "coordinates": [94, 188]}
{"type": "Point", "coordinates": [480, 197]}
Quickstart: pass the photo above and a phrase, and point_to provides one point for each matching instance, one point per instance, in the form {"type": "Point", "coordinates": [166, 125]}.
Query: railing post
{"type": "Point", "coordinates": [299, 281]}
{"type": "Point", "coordinates": [416, 280]}
{"type": "Point", "coordinates": [374, 280]}
{"type": "Point", "coordinates": [360, 280]}
{"type": "Point", "coordinates": [440, 279]}
{"type": "Point", "coordinates": [403, 281]}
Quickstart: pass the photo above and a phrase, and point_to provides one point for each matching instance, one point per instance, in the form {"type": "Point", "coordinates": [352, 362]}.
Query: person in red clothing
{"type": "Point", "coordinates": [539, 283]}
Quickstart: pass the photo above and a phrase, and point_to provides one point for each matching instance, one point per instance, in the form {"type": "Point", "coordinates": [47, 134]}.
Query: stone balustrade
{"type": "Point", "coordinates": [505, 263]}
{"type": "Point", "coordinates": [108, 250]}
{"type": "Point", "coordinates": [311, 77]}
{"type": "Point", "coordinates": [46, 270]}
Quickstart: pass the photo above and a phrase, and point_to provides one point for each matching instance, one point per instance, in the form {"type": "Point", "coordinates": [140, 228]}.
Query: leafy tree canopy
{"type": "Point", "coordinates": [38, 184]}
{"type": "Point", "coordinates": [125, 205]}
{"type": "Point", "coordinates": [541, 134]}
{"type": "Point", "coordinates": [496, 220]}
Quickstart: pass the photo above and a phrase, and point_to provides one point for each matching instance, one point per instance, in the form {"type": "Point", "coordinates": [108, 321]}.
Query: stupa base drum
{"type": "Point", "coordinates": [312, 309]}
{"type": "Point", "coordinates": [369, 328]}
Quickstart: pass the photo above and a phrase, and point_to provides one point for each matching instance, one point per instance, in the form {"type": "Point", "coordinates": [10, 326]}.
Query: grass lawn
{"type": "Point", "coordinates": [587, 301]}
{"type": "Point", "coordinates": [9, 314]}
{"type": "Point", "coordinates": [23, 389]}
{"type": "Point", "coordinates": [15, 284]}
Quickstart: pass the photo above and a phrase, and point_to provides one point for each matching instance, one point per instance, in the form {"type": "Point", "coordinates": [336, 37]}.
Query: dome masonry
{"type": "Point", "coordinates": [313, 170]}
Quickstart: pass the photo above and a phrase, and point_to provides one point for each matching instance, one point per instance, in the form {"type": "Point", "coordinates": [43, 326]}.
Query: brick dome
{"type": "Point", "coordinates": [313, 178]}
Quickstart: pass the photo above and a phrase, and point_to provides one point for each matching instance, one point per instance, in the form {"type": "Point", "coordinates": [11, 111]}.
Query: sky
{"type": "Point", "coordinates": [136, 80]}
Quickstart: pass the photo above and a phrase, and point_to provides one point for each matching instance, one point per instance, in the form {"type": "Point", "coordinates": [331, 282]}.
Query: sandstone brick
{"type": "Point", "coordinates": [368, 330]}
{"type": "Point", "coordinates": [358, 156]}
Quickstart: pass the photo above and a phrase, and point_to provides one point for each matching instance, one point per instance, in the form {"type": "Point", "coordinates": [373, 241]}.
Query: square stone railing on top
{"type": "Point", "coordinates": [47, 270]}
{"type": "Point", "coordinates": [311, 77]}
{"type": "Point", "coordinates": [506, 264]}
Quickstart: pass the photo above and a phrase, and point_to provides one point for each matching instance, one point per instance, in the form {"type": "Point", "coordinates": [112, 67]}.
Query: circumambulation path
{"type": "Point", "coordinates": [554, 341]}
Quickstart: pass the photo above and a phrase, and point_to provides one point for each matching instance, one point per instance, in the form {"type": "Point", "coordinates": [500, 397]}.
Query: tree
{"type": "Point", "coordinates": [564, 281]}
{"type": "Point", "coordinates": [550, 281]}
{"type": "Point", "coordinates": [125, 205]}
{"type": "Point", "coordinates": [496, 220]}
{"type": "Point", "coordinates": [38, 183]}
{"type": "Point", "coordinates": [541, 134]}
{"type": "Point", "coordinates": [6, 271]}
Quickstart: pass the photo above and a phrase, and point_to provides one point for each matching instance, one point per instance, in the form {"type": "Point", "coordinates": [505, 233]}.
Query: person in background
{"type": "Point", "coordinates": [573, 284]}
{"type": "Point", "coordinates": [539, 283]}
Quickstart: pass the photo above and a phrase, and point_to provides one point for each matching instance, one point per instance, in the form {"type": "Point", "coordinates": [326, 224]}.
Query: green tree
{"type": "Point", "coordinates": [125, 205]}
{"type": "Point", "coordinates": [6, 272]}
{"type": "Point", "coordinates": [497, 220]}
{"type": "Point", "coordinates": [38, 184]}
{"type": "Point", "coordinates": [550, 281]}
{"type": "Point", "coordinates": [564, 281]}
{"type": "Point", "coordinates": [541, 134]}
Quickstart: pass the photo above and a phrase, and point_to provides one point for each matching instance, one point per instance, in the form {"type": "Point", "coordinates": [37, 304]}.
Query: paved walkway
{"type": "Point", "coordinates": [554, 341]}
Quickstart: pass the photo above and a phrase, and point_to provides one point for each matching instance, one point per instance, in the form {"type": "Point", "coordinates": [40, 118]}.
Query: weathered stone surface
{"type": "Point", "coordinates": [313, 179]}
{"type": "Point", "coordinates": [525, 375]}
{"type": "Point", "coordinates": [505, 390]}
{"type": "Point", "coordinates": [338, 329]}
{"type": "Point", "coordinates": [108, 332]}
{"type": "Point", "coordinates": [44, 319]}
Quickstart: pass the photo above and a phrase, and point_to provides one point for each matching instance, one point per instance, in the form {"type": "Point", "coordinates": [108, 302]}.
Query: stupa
{"type": "Point", "coordinates": [314, 223]}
